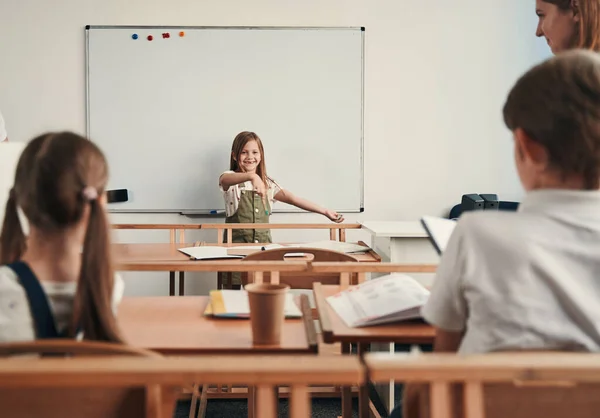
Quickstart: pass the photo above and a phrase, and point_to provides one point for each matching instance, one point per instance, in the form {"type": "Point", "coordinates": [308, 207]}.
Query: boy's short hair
{"type": "Point", "coordinates": [557, 104]}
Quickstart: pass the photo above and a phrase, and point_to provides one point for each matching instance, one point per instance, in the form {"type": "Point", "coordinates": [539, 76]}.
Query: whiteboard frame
{"type": "Point", "coordinates": [218, 212]}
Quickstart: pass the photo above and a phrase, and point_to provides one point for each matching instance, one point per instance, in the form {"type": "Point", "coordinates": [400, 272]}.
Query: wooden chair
{"type": "Point", "coordinates": [495, 385]}
{"type": "Point", "coordinates": [264, 373]}
{"type": "Point", "coordinates": [60, 400]}
{"type": "Point", "coordinates": [300, 280]}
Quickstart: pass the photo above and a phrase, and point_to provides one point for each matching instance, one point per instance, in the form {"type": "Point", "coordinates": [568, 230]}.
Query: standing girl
{"type": "Point", "coordinates": [58, 282]}
{"type": "Point", "coordinates": [250, 193]}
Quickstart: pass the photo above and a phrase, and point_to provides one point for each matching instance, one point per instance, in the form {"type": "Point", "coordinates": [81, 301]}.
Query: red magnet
{"type": "Point", "coordinates": [167, 35]}
{"type": "Point", "coordinates": [150, 37]}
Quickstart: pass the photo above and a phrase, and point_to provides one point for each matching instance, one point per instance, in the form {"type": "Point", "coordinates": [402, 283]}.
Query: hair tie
{"type": "Point", "coordinates": [90, 193]}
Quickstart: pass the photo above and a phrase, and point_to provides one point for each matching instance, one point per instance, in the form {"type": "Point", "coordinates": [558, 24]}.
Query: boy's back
{"type": "Point", "coordinates": [524, 280]}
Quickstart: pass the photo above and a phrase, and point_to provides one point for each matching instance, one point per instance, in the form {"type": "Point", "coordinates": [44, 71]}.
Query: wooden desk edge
{"type": "Point", "coordinates": [238, 226]}
{"type": "Point", "coordinates": [324, 320]}
{"type": "Point", "coordinates": [281, 226]}
{"type": "Point", "coordinates": [371, 252]}
{"type": "Point", "coordinates": [309, 325]}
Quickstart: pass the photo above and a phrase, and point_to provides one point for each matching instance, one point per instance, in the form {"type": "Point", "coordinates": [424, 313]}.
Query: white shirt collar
{"type": "Point", "coordinates": [562, 202]}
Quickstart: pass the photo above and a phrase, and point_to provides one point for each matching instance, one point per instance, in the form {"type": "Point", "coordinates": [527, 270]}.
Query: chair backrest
{"type": "Point", "coordinates": [499, 385]}
{"type": "Point", "coordinates": [72, 400]}
{"type": "Point", "coordinates": [301, 280]}
{"type": "Point", "coordinates": [262, 373]}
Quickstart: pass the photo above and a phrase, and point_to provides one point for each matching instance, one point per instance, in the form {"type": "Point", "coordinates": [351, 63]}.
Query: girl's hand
{"type": "Point", "coordinates": [334, 216]}
{"type": "Point", "coordinates": [258, 185]}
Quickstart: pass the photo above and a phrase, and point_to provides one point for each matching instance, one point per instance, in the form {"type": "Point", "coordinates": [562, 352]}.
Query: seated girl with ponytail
{"type": "Point", "coordinates": [59, 281]}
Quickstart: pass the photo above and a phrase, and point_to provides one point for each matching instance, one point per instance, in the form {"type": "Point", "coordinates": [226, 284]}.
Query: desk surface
{"type": "Point", "coordinates": [177, 326]}
{"type": "Point", "coordinates": [404, 229]}
{"type": "Point", "coordinates": [335, 330]}
{"type": "Point", "coordinates": [132, 257]}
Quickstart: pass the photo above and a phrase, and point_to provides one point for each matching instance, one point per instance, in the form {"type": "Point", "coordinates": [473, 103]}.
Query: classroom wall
{"type": "Point", "coordinates": [437, 73]}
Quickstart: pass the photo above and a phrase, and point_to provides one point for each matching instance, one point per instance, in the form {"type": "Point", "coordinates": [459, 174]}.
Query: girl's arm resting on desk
{"type": "Point", "coordinates": [231, 179]}
{"type": "Point", "coordinates": [287, 197]}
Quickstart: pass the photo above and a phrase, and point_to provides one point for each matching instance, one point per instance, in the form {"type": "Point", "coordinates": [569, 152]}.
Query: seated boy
{"type": "Point", "coordinates": [530, 280]}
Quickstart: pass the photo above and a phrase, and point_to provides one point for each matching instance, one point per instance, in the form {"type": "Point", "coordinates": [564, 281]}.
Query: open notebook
{"type": "Point", "coordinates": [234, 304]}
{"type": "Point", "coordinates": [390, 298]}
{"type": "Point", "coordinates": [439, 231]}
{"type": "Point", "coordinates": [208, 253]}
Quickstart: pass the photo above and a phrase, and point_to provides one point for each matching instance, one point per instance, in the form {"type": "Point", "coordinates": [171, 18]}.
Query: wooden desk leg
{"type": "Point", "coordinates": [346, 390]}
{"type": "Point", "coordinates": [251, 401]}
{"type": "Point", "coordinates": [363, 390]}
{"type": "Point", "coordinates": [171, 283]}
{"type": "Point", "coordinates": [181, 283]}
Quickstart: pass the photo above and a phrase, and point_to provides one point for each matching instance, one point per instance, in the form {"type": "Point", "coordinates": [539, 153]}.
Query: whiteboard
{"type": "Point", "coordinates": [165, 111]}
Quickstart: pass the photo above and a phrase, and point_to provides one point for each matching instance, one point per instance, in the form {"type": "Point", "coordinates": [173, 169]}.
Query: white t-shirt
{"type": "Point", "coordinates": [233, 194]}
{"type": "Point", "coordinates": [3, 133]}
{"type": "Point", "coordinates": [523, 280]}
{"type": "Point", "coordinates": [16, 321]}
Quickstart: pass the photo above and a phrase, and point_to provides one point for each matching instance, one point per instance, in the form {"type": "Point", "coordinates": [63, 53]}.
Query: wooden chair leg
{"type": "Point", "coordinates": [194, 401]}
{"type": "Point", "coordinates": [203, 402]}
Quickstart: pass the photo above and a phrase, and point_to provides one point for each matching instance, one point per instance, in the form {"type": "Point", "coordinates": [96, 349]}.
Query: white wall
{"type": "Point", "coordinates": [437, 73]}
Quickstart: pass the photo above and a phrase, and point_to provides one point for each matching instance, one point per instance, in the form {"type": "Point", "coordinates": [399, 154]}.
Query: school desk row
{"type": "Point", "coordinates": [177, 326]}
{"type": "Point", "coordinates": [399, 242]}
{"type": "Point", "coordinates": [519, 385]}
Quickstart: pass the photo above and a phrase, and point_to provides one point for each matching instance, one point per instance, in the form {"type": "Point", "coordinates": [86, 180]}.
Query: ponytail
{"type": "Point", "coordinates": [12, 239]}
{"type": "Point", "coordinates": [92, 313]}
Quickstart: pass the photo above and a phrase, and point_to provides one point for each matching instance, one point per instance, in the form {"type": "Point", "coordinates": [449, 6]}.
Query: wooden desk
{"type": "Point", "coordinates": [166, 257]}
{"type": "Point", "coordinates": [132, 257]}
{"type": "Point", "coordinates": [335, 330]}
{"type": "Point", "coordinates": [177, 326]}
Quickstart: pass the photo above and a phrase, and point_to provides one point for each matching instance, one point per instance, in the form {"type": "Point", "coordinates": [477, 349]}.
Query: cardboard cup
{"type": "Point", "coordinates": [267, 302]}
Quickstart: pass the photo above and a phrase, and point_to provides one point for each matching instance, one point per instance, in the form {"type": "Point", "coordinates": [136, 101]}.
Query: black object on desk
{"type": "Point", "coordinates": [490, 201]}
{"type": "Point", "coordinates": [471, 202]}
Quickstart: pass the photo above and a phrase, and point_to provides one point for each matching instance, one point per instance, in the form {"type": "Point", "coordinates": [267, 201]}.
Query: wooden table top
{"type": "Point", "coordinates": [177, 326]}
{"type": "Point", "coordinates": [165, 257]}
{"type": "Point", "coordinates": [334, 329]}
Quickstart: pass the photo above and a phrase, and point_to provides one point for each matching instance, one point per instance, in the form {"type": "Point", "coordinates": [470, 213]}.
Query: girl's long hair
{"type": "Point", "coordinates": [57, 176]}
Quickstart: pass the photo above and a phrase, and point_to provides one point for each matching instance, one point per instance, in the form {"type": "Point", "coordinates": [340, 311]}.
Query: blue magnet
{"type": "Point", "coordinates": [134, 36]}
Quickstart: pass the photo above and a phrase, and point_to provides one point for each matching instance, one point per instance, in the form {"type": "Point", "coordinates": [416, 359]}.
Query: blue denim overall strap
{"type": "Point", "coordinates": [39, 306]}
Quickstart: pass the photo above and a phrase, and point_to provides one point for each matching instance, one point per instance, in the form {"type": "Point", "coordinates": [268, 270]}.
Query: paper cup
{"type": "Point", "coordinates": [267, 302]}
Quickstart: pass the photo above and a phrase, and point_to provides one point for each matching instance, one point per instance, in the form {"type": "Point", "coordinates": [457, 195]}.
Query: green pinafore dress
{"type": "Point", "coordinates": [252, 209]}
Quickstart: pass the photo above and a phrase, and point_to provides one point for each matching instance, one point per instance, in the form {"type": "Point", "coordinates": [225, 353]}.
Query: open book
{"type": "Point", "coordinates": [234, 304]}
{"type": "Point", "coordinates": [208, 253]}
{"type": "Point", "coordinates": [439, 231]}
{"type": "Point", "coordinates": [390, 298]}
{"type": "Point", "coordinates": [249, 249]}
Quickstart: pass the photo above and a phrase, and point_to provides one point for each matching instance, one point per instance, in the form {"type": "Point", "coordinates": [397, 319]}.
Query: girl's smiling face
{"type": "Point", "coordinates": [250, 157]}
